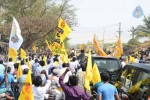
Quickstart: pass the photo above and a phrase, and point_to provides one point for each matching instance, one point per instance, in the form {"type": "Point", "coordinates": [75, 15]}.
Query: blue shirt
{"type": "Point", "coordinates": [107, 91]}
{"type": "Point", "coordinates": [10, 80]}
{"type": "Point", "coordinates": [98, 84]}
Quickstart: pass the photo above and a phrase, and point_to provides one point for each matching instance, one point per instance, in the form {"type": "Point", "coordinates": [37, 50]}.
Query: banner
{"type": "Point", "coordinates": [65, 29]}
{"type": "Point", "coordinates": [16, 39]}
{"type": "Point", "coordinates": [58, 49]}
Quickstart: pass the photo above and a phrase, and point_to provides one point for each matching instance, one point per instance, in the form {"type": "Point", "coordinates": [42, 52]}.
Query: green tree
{"type": "Point", "coordinates": [143, 30]}
{"type": "Point", "coordinates": [133, 42]}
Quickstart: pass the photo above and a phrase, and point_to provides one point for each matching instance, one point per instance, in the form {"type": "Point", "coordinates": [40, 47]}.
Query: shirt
{"type": "Point", "coordinates": [98, 84]}
{"type": "Point", "coordinates": [10, 81]}
{"type": "Point", "coordinates": [73, 92]}
{"type": "Point", "coordinates": [21, 80]}
{"type": "Point", "coordinates": [39, 92]}
{"type": "Point", "coordinates": [73, 66]}
{"type": "Point", "coordinates": [24, 67]}
{"type": "Point", "coordinates": [34, 67]}
{"type": "Point", "coordinates": [39, 69]}
{"type": "Point", "coordinates": [107, 91]}
{"type": "Point", "coordinates": [123, 64]}
{"type": "Point", "coordinates": [66, 78]}
{"type": "Point", "coordinates": [2, 69]}
{"type": "Point", "coordinates": [11, 65]}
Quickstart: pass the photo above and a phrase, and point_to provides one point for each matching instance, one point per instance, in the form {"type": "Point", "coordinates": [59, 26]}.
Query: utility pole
{"type": "Point", "coordinates": [103, 37]}
{"type": "Point", "coordinates": [133, 32]}
{"type": "Point", "coordinates": [119, 29]}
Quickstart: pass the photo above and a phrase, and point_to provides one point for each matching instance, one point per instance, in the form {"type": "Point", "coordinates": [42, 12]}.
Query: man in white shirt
{"type": "Point", "coordinates": [23, 66]}
{"type": "Point", "coordinates": [11, 65]}
{"type": "Point", "coordinates": [40, 68]}
{"type": "Point", "coordinates": [40, 91]}
{"type": "Point", "coordinates": [122, 62]}
{"type": "Point", "coordinates": [74, 65]}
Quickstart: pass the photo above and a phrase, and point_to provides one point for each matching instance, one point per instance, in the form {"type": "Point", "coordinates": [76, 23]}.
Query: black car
{"type": "Point", "coordinates": [134, 82]}
{"type": "Point", "coordinates": [110, 65]}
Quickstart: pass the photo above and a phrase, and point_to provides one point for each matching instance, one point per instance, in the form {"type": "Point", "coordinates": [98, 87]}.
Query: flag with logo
{"type": "Point", "coordinates": [96, 46]}
{"type": "Point", "coordinates": [22, 53]}
{"type": "Point", "coordinates": [16, 39]}
{"type": "Point", "coordinates": [65, 29]}
{"type": "Point", "coordinates": [118, 49]}
{"type": "Point", "coordinates": [12, 53]}
{"type": "Point", "coordinates": [138, 12]}
{"type": "Point", "coordinates": [19, 72]}
{"type": "Point", "coordinates": [58, 49]}
{"type": "Point", "coordinates": [88, 73]}
{"type": "Point", "coordinates": [27, 91]}
{"type": "Point", "coordinates": [96, 75]}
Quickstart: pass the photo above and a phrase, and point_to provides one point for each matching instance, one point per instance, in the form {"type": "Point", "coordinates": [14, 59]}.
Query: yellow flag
{"type": "Point", "coordinates": [88, 73]}
{"type": "Point", "coordinates": [96, 46]}
{"type": "Point", "coordinates": [22, 54]}
{"type": "Point", "coordinates": [27, 91]}
{"type": "Point", "coordinates": [96, 75]}
{"type": "Point", "coordinates": [19, 72]}
{"type": "Point", "coordinates": [127, 61]}
{"type": "Point", "coordinates": [66, 29]}
{"type": "Point", "coordinates": [132, 60]}
{"type": "Point", "coordinates": [58, 49]}
{"type": "Point", "coordinates": [34, 48]}
{"type": "Point", "coordinates": [49, 47]}
{"type": "Point", "coordinates": [12, 53]}
{"type": "Point", "coordinates": [64, 58]}
{"type": "Point", "coordinates": [44, 59]}
{"type": "Point", "coordinates": [29, 65]}
{"type": "Point", "coordinates": [118, 50]}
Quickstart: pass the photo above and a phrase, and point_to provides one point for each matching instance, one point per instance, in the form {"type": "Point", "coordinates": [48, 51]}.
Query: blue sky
{"type": "Point", "coordinates": [93, 15]}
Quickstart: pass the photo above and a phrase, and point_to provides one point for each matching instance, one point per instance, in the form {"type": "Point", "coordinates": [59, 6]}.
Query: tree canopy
{"type": "Point", "coordinates": [144, 30]}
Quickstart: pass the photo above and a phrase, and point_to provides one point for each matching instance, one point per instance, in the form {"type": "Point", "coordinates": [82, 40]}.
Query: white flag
{"type": "Point", "coordinates": [16, 39]}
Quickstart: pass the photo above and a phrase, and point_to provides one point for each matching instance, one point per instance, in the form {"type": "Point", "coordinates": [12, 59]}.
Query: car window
{"type": "Point", "coordinates": [129, 77]}
{"type": "Point", "coordinates": [143, 75]}
{"type": "Point", "coordinates": [107, 64]}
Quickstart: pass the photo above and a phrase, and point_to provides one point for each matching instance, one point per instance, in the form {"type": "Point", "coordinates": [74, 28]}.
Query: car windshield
{"type": "Point", "coordinates": [110, 65]}
{"type": "Point", "coordinates": [143, 75]}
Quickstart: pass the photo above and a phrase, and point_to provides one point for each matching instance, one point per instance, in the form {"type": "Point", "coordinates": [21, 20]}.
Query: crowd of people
{"type": "Point", "coordinates": [53, 79]}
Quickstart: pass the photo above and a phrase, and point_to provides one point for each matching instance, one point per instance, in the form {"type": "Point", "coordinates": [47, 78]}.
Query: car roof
{"type": "Point", "coordinates": [93, 56]}
{"type": "Point", "coordinates": [141, 66]}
